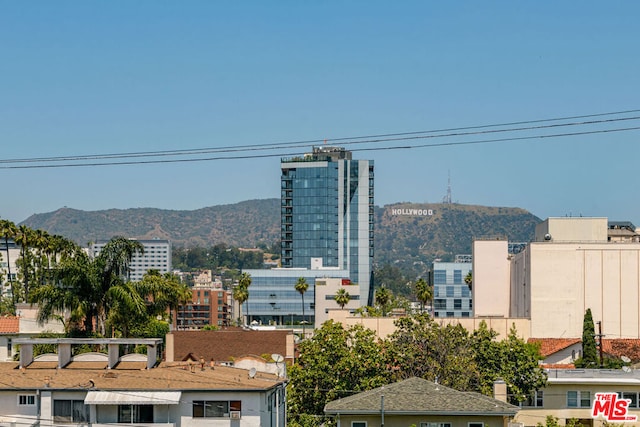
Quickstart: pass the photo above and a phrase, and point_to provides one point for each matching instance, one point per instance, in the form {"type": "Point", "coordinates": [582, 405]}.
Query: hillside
{"type": "Point", "coordinates": [409, 235]}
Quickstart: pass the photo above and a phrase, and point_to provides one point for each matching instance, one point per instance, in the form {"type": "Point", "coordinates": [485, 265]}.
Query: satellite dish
{"type": "Point", "coordinates": [252, 373]}
{"type": "Point", "coordinates": [277, 357]}
{"type": "Point", "coordinates": [296, 339]}
{"type": "Point", "coordinates": [626, 369]}
{"type": "Point", "coordinates": [547, 236]}
{"type": "Point", "coordinates": [625, 359]}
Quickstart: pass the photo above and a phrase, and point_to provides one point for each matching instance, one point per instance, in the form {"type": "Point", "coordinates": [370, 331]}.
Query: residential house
{"type": "Point", "coordinates": [570, 393]}
{"type": "Point", "coordinates": [419, 402]}
{"type": "Point", "coordinates": [109, 390]}
{"type": "Point", "coordinates": [560, 353]}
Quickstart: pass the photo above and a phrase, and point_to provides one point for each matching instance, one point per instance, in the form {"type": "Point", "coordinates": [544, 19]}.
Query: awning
{"type": "Point", "coordinates": [132, 398]}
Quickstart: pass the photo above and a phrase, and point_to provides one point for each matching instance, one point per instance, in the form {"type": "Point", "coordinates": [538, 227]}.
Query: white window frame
{"type": "Point", "coordinates": [27, 397]}
{"type": "Point", "coordinates": [580, 396]}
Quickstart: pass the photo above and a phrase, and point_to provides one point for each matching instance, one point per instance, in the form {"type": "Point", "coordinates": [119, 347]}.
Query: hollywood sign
{"type": "Point", "coordinates": [412, 212]}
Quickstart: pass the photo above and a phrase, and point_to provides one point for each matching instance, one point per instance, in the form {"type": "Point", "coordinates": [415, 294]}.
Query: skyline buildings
{"type": "Point", "coordinates": [327, 218]}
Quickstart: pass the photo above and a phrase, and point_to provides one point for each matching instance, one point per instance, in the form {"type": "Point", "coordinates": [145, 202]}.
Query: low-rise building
{"type": "Point", "coordinates": [570, 394]}
{"type": "Point", "coordinates": [416, 401]}
{"type": "Point", "coordinates": [107, 390]}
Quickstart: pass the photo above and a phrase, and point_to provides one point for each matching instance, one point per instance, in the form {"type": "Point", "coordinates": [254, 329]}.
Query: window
{"type": "Point", "coordinates": [475, 425]}
{"type": "Point", "coordinates": [534, 400]}
{"type": "Point", "coordinates": [70, 411]}
{"type": "Point", "coordinates": [135, 414]}
{"type": "Point", "coordinates": [632, 396]}
{"type": "Point", "coordinates": [26, 399]}
{"type": "Point", "coordinates": [215, 408]}
{"type": "Point", "coordinates": [435, 424]}
{"type": "Point", "coordinates": [358, 424]}
{"type": "Point", "coordinates": [578, 399]}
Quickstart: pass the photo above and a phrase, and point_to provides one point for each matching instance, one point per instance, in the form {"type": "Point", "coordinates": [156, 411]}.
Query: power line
{"type": "Point", "coordinates": [369, 139]}
{"type": "Point", "coordinates": [258, 156]}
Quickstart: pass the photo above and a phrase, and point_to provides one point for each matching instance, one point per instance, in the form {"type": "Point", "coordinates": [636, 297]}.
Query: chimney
{"type": "Point", "coordinates": [500, 390]}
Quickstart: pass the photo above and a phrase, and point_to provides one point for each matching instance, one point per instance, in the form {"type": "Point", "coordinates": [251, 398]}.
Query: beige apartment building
{"type": "Point", "coordinates": [573, 264]}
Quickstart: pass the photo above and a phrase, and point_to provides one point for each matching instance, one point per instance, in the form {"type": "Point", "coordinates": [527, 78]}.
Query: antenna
{"type": "Point", "coordinates": [252, 373]}
{"type": "Point", "coordinates": [447, 198]}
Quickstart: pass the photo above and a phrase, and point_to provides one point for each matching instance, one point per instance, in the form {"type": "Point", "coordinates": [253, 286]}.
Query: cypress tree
{"type": "Point", "coordinates": [589, 348]}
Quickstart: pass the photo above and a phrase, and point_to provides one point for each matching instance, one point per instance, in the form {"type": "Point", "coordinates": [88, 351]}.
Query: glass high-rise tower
{"type": "Point", "coordinates": [327, 214]}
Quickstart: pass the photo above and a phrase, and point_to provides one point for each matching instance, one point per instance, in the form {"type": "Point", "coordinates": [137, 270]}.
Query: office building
{"type": "Point", "coordinates": [451, 295]}
{"type": "Point", "coordinates": [156, 256]}
{"type": "Point", "coordinates": [327, 214]}
{"type": "Point", "coordinates": [273, 299]}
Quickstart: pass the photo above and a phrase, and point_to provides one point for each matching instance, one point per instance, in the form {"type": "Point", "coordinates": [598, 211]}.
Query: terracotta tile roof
{"type": "Point", "coordinates": [165, 377]}
{"type": "Point", "coordinates": [618, 347]}
{"type": "Point", "coordinates": [615, 347]}
{"type": "Point", "coordinates": [419, 396]}
{"type": "Point", "coordinates": [549, 346]}
{"type": "Point", "coordinates": [225, 345]}
{"type": "Point", "coordinates": [9, 325]}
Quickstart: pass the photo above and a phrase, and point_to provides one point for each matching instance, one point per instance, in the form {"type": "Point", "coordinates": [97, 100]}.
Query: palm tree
{"type": "Point", "coordinates": [424, 292]}
{"type": "Point", "coordinates": [240, 295]}
{"type": "Point", "coordinates": [342, 298]}
{"type": "Point", "coordinates": [243, 291]}
{"type": "Point", "coordinates": [383, 297]}
{"type": "Point", "coordinates": [468, 279]}
{"type": "Point", "coordinates": [25, 238]}
{"type": "Point", "coordinates": [8, 230]}
{"type": "Point", "coordinates": [302, 286]}
{"type": "Point", "coordinates": [90, 288]}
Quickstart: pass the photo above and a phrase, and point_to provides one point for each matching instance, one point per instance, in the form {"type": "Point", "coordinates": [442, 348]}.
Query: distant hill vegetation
{"type": "Point", "coordinates": [408, 235]}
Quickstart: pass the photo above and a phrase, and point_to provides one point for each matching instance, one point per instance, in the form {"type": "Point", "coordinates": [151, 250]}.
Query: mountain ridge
{"type": "Point", "coordinates": [413, 234]}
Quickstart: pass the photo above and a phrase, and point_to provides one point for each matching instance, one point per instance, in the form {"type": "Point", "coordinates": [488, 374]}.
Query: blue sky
{"type": "Point", "coordinates": [89, 77]}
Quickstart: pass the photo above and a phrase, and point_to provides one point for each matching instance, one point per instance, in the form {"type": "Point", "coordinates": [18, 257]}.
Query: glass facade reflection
{"type": "Point", "coordinates": [273, 299]}
{"type": "Point", "coordinates": [327, 213]}
{"type": "Point", "coordinates": [451, 295]}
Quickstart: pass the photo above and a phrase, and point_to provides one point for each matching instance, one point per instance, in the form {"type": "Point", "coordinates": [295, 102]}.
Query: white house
{"type": "Point", "coordinates": [105, 389]}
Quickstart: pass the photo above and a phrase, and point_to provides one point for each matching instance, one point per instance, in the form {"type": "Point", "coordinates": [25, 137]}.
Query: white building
{"type": "Point", "coordinates": [156, 256]}
{"type": "Point", "coordinates": [107, 390]}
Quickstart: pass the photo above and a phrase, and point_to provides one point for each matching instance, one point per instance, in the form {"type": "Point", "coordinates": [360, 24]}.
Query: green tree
{"type": "Point", "coordinates": [89, 288]}
{"type": "Point", "coordinates": [334, 363]}
{"type": "Point", "coordinates": [589, 357]}
{"type": "Point", "coordinates": [138, 304]}
{"type": "Point", "coordinates": [423, 348]}
{"type": "Point", "coordinates": [382, 298]}
{"type": "Point", "coordinates": [468, 279]}
{"type": "Point", "coordinates": [511, 359]}
{"type": "Point", "coordinates": [302, 286]}
{"type": "Point", "coordinates": [424, 292]}
{"type": "Point", "coordinates": [241, 294]}
{"type": "Point", "coordinates": [394, 279]}
{"type": "Point", "coordinates": [342, 298]}
{"type": "Point", "coordinates": [9, 231]}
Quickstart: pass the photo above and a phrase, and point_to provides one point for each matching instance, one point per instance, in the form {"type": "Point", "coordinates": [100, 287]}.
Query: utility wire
{"type": "Point", "coordinates": [370, 139]}
{"type": "Point", "coordinates": [256, 156]}
{"type": "Point", "coordinates": [353, 139]}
